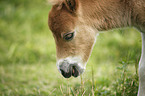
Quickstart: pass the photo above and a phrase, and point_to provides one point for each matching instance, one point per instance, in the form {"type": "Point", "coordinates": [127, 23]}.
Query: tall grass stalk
{"type": "Point", "coordinates": [82, 84]}
{"type": "Point", "coordinates": [136, 65]}
{"type": "Point", "coordinates": [52, 91]}
{"type": "Point", "coordinates": [72, 92]}
{"type": "Point", "coordinates": [92, 81]}
{"type": "Point", "coordinates": [61, 91]}
{"type": "Point", "coordinates": [68, 88]}
{"type": "Point", "coordinates": [83, 93]}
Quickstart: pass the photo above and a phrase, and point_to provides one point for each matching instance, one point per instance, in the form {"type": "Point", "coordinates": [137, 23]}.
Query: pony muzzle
{"type": "Point", "coordinates": [68, 69]}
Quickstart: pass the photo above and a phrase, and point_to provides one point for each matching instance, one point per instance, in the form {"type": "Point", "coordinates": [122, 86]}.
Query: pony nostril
{"type": "Point", "coordinates": [75, 71]}
{"type": "Point", "coordinates": [66, 75]}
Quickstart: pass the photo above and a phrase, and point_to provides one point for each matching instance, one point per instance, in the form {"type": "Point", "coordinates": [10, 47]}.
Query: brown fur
{"type": "Point", "coordinates": [90, 15]}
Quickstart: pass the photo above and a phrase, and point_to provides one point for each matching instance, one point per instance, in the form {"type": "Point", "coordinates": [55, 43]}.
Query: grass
{"type": "Point", "coordinates": [27, 57]}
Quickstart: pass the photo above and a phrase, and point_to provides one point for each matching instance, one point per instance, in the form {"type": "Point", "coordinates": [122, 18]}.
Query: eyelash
{"type": "Point", "coordinates": [68, 36]}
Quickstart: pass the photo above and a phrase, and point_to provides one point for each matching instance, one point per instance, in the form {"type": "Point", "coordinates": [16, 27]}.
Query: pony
{"type": "Point", "coordinates": [75, 24]}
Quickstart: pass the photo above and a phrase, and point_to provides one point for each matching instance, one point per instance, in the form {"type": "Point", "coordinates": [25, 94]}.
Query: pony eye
{"type": "Point", "coordinates": [68, 36]}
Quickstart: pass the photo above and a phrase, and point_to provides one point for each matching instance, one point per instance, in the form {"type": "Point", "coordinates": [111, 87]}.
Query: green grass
{"type": "Point", "coordinates": [28, 60]}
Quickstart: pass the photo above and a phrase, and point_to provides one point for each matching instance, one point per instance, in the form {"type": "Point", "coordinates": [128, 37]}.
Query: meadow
{"type": "Point", "coordinates": [28, 57]}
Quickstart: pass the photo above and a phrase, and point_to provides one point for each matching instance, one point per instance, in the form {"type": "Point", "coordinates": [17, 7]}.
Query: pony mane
{"type": "Point", "coordinates": [55, 2]}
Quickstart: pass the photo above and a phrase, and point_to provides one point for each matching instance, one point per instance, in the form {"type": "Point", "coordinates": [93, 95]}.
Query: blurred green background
{"type": "Point", "coordinates": [28, 60]}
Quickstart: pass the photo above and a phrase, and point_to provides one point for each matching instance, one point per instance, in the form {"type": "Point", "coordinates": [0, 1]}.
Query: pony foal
{"type": "Point", "coordinates": [75, 24]}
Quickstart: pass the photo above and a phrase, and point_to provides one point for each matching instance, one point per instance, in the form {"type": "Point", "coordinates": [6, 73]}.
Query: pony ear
{"type": "Point", "coordinates": [72, 5]}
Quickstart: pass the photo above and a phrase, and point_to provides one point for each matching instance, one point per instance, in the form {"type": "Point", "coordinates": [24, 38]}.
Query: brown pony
{"type": "Point", "coordinates": [75, 24]}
